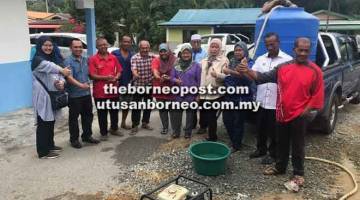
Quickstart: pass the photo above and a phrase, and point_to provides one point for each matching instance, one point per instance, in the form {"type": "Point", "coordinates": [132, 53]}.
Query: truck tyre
{"type": "Point", "coordinates": [331, 118]}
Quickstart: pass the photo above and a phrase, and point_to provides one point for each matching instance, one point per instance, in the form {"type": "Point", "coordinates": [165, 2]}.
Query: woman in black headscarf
{"type": "Point", "coordinates": [234, 119]}
{"type": "Point", "coordinates": [47, 72]}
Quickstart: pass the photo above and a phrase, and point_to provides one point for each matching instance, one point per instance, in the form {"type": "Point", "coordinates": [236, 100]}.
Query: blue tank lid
{"type": "Point", "coordinates": [289, 24]}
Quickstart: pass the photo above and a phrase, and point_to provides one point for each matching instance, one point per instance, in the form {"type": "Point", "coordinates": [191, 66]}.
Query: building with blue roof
{"type": "Point", "coordinates": [207, 21]}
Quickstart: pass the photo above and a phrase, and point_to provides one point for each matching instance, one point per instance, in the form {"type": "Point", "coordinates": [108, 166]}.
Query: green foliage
{"type": "Point", "coordinates": [141, 17]}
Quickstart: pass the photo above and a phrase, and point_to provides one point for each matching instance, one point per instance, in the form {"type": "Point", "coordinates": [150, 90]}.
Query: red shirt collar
{"type": "Point", "coordinates": [102, 58]}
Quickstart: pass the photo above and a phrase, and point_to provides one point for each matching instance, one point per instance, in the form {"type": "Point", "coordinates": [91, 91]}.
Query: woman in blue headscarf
{"type": "Point", "coordinates": [47, 69]}
{"type": "Point", "coordinates": [234, 119]}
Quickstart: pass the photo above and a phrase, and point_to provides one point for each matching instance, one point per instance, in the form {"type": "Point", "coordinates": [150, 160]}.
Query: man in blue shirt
{"type": "Point", "coordinates": [198, 52]}
{"type": "Point", "coordinates": [124, 55]}
{"type": "Point", "coordinates": [80, 102]}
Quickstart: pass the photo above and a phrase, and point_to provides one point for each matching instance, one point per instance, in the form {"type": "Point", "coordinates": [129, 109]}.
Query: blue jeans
{"type": "Point", "coordinates": [234, 124]}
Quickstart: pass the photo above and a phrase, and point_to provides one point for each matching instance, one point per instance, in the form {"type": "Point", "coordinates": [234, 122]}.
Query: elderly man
{"type": "Point", "coordinates": [301, 94]}
{"type": "Point", "coordinates": [266, 95]}
{"type": "Point", "coordinates": [79, 96]}
{"type": "Point", "coordinates": [198, 53]}
{"type": "Point", "coordinates": [143, 76]}
{"type": "Point", "coordinates": [105, 69]}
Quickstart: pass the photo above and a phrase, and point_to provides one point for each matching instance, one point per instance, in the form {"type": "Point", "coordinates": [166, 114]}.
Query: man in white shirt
{"type": "Point", "coordinates": [266, 95]}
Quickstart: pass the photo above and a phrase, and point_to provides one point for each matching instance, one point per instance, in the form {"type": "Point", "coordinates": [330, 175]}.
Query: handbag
{"type": "Point", "coordinates": [59, 99]}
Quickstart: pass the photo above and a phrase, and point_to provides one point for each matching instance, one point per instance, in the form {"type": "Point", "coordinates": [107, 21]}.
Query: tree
{"type": "Point", "coordinates": [141, 17]}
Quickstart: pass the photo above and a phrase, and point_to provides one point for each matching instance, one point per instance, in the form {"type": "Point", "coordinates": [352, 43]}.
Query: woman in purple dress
{"type": "Point", "coordinates": [186, 73]}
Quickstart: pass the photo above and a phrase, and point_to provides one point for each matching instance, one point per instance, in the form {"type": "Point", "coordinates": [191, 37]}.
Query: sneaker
{"type": "Point", "coordinates": [175, 135]}
{"type": "Point", "coordinates": [76, 144]}
{"type": "Point", "coordinates": [267, 160]}
{"type": "Point", "coordinates": [257, 154]}
{"type": "Point", "coordinates": [146, 127]}
{"type": "Point", "coordinates": [91, 140]}
{"type": "Point", "coordinates": [201, 131]}
{"type": "Point", "coordinates": [104, 137]}
{"type": "Point", "coordinates": [164, 131]}
{"type": "Point", "coordinates": [134, 131]}
{"type": "Point", "coordinates": [56, 149]}
{"type": "Point", "coordinates": [51, 155]}
{"type": "Point", "coordinates": [116, 133]}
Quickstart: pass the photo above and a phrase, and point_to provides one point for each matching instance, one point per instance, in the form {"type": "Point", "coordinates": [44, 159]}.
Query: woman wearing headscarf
{"type": "Point", "coordinates": [234, 119]}
{"type": "Point", "coordinates": [162, 67]}
{"type": "Point", "coordinates": [212, 75]}
{"type": "Point", "coordinates": [46, 69]}
{"type": "Point", "coordinates": [186, 73]}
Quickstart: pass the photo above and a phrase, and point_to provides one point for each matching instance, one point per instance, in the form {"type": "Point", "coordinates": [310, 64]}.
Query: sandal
{"type": "Point", "coordinates": [295, 183]}
{"type": "Point", "coordinates": [299, 180]}
{"type": "Point", "coordinates": [272, 171]}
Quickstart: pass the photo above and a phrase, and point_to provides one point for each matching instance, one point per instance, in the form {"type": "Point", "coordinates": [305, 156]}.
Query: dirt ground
{"type": "Point", "coordinates": [124, 168]}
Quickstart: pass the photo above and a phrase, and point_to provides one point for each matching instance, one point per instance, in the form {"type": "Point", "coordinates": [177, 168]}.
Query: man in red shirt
{"type": "Point", "coordinates": [300, 95]}
{"type": "Point", "coordinates": [104, 69]}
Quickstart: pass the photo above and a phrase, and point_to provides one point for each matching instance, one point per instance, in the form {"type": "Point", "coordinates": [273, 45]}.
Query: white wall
{"type": "Point", "coordinates": [14, 34]}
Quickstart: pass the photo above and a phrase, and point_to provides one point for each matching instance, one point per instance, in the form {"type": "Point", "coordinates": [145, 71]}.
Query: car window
{"type": "Point", "coordinates": [244, 38]}
{"type": "Point", "coordinates": [204, 40]}
{"type": "Point", "coordinates": [343, 49]}
{"type": "Point", "coordinates": [228, 40]}
{"type": "Point", "coordinates": [33, 40]}
{"type": "Point", "coordinates": [352, 50]}
{"type": "Point", "coordinates": [231, 40]}
{"type": "Point", "coordinates": [62, 41]}
{"type": "Point", "coordinates": [66, 41]}
{"type": "Point", "coordinates": [330, 49]}
{"type": "Point", "coordinates": [57, 40]}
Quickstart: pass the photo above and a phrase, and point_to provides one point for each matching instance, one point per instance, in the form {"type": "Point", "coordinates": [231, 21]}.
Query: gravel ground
{"type": "Point", "coordinates": [243, 178]}
{"type": "Point", "coordinates": [141, 163]}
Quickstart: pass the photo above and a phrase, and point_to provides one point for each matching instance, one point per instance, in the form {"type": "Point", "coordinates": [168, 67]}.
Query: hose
{"type": "Point", "coordinates": [263, 27]}
{"type": "Point", "coordinates": [354, 190]}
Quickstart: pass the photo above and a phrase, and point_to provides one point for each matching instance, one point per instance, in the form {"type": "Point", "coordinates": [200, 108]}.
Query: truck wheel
{"type": "Point", "coordinates": [331, 118]}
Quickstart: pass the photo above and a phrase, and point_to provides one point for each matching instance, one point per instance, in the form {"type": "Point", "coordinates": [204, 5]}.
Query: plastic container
{"type": "Point", "coordinates": [209, 158]}
{"type": "Point", "coordinates": [173, 192]}
{"type": "Point", "coordinates": [289, 24]}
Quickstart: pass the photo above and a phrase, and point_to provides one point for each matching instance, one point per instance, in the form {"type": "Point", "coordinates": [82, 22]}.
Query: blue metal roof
{"type": "Point", "coordinates": [206, 17]}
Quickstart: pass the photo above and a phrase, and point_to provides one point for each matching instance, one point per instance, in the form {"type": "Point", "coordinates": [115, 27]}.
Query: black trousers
{"type": "Point", "coordinates": [208, 119]}
{"type": "Point", "coordinates": [103, 114]}
{"type": "Point", "coordinates": [44, 136]}
{"type": "Point", "coordinates": [291, 132]}
{"type": "Point", "coordinates": [136, 114]}
{"type": "Point", "coordinates": [80, 106]}
{"type": "Point", "coordinates": [234, 123]}
{"type": "Point", "coordinates": [266, 125]}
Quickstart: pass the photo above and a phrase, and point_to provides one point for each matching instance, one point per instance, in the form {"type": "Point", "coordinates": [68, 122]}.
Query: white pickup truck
{"type": "Point", "coordinates": [228, 42]}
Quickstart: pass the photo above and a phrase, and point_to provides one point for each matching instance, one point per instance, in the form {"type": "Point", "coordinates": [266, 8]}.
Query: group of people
{"type": "Point", "coordinates": [288, 89]}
